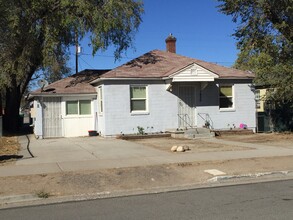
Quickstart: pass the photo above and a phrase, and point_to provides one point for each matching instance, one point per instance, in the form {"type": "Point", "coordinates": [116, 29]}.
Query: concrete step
{"type": "Point", "coordinates": [197, 131]}
{"type": "Point", "coordinates": [192, 133]}
{"type": "Point", "coordinates": [194, 136]}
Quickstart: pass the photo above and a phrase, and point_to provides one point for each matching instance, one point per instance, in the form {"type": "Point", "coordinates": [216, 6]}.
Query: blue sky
{"type": "Point", "coordinates": [201, 31]}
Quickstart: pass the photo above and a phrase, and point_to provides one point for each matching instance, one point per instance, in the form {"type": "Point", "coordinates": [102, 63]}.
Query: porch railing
{"type": "Point", "coordinates": [184, 120]}
{"type": "Point", "coordinates": [207, 120]}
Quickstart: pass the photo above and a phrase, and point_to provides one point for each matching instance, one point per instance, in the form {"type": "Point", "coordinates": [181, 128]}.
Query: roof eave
{"type": "Point", "coordinates": [236, 77]}
{"type": "Point", "coordinates": [32, 95]}
{"type": "Point", "coordinates": [126, 78]}
{"type": "Point", "coordinates": [221, 77]}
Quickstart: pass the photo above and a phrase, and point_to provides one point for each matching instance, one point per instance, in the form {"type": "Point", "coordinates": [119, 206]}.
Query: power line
{"type": "Point", "coordinates": [111, 56]}
{"type": "Point", "coordinates": [87, 63]}
{"type": "Point", "coordinates": [97, 55]}
{"type": "Point", "coordinates": [216, 62]}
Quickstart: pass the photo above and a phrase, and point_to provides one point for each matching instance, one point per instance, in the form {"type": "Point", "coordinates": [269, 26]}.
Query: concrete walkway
{"type": "Point", "coordinates": [91, 153]}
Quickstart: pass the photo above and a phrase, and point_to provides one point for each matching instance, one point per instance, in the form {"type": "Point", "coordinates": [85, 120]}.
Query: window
{"type": "Point", "coordinates": [226, 96]}
{"type": "Point", "coordinates": [71, 107]}
{"type": "Point", "coordinates": [85, 107]}
{"type": "Point", "coordinates": [81, 107]}
{"type": "Point", "coordinates": [100, 99]}
{"type": "Point", "coordinates": [138, 98]}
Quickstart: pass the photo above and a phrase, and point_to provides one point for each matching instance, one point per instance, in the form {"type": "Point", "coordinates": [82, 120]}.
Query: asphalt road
{"type": "Point", "coordinates": [271, 200]}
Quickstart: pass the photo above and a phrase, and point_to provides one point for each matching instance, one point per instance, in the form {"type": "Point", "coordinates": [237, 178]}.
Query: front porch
{"type": "Point", "coordinates": [194, 87]}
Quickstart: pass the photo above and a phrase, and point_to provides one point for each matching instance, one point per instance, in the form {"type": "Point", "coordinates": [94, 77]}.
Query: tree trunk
{"type": "Point", "coordinates": [13, 97]}
{"type": "Point", "coordinates": [12, 100]}
{"type": "Point", "coordinates": [1, 106]}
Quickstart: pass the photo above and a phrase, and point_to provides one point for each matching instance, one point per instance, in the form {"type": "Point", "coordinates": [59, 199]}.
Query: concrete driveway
{"type": "Point", "coordinates": [82, 153]}
{"type": "Point", "coordinates": [86, 149]}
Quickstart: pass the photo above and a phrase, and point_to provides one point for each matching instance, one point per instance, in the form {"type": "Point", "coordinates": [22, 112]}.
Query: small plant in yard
{"type": "Point", "coordinates": [42, 194]}
{"type": "Point", "coordinates": [140, 130]}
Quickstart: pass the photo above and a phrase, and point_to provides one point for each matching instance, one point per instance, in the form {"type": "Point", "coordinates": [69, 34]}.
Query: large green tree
{"type": "Point", "coordinates": [265, 40]}
{"type": "Point", "coordinates": [35, 33]}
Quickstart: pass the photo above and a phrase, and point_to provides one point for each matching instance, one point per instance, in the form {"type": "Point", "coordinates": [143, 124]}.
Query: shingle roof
{"type": "Point", "coordinates": [75, 84]}
{"type": "Point", "coordinates": [154, 64]}
{"type": "Point", "coordinates": [159, 64]}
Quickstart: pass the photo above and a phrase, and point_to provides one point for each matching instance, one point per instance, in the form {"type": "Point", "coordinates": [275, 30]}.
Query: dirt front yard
{"type": "Point", "coordinates": [9, 148]}
{"type": "Point", "coordinates": [198, 145]}
{"type": "Point", "coordinates": [195, 145]}
{"type": "Point", "coordinates": [271, 139]}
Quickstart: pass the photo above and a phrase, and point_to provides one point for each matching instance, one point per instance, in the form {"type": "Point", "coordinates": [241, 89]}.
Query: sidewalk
{"type": "Point", "coordinates": [121, 154]}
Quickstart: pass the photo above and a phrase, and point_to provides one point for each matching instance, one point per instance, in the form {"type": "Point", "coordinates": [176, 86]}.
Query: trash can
{"type": "Point", "coordinates": [93, 133]}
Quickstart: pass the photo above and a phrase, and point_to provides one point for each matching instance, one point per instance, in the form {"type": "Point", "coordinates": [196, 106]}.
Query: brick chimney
{"type": "Point", "coordinates": [171, 43]}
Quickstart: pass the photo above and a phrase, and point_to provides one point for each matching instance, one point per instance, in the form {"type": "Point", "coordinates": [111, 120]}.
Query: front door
{"type": "Point", "coordinates": [52, 124]}
{"type": "Point", "coordinates": [186, 107]}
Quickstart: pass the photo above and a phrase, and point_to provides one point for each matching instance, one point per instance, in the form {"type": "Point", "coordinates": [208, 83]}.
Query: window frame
{"type": "Point", "coordinates": [100, 100]}
{"type": "Point", "coordinates": [222, 97]}
{"type": "Point", "coordinates": [146, 110]}
{"type": "Point", "coordinates": [78, 108]}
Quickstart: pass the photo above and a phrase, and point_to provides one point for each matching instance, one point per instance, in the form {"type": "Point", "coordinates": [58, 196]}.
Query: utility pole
{"type": "Point", "coordinates": [76, 52]}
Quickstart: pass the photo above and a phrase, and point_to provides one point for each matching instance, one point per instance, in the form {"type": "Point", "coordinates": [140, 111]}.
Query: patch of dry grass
{"type": "Point", "coordinates": [9, 147]}
{"type": "Point", "coordinates": [195, 145]}
{"type": "Point", "coordinates": [274, 139]}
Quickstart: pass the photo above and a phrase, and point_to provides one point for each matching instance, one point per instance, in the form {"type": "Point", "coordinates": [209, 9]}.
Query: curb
{"type": "Point", "coordinates": [18, 198]}
{"type": "Point", "coordinates": [255, 175]}
{"type": "Point", "coordinates": [32, 200]}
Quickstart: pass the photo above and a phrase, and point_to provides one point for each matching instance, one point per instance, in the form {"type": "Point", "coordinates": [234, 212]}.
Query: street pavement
{"type": "Point", "coordinates": [93, 153]}
{"type": "Point", "coordinates": [270, 200]}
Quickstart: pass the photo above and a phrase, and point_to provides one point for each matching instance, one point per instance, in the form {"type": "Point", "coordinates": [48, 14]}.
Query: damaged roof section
{"type": "Point", "coordinates": [75, 84]}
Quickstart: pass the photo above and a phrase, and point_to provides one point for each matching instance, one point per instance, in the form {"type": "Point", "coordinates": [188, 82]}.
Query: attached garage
{"type": "Point", "coordinates": [66, 108]}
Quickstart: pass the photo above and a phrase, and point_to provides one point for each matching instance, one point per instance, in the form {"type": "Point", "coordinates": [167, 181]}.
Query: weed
{"type": "Point", "coordinates": [184, 164]}
{"type": "Point", "coordinates": [43, 194]}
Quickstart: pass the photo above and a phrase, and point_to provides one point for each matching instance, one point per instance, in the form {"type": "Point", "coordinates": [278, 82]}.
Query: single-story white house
{"type": "Point", "coordinates": [157, 91]}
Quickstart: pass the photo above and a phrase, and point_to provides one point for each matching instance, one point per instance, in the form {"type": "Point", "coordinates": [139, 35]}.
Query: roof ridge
{"type": "Point", "coordinates": [199, 60]}
{"type": "Point", "coordinates": [158, 63]}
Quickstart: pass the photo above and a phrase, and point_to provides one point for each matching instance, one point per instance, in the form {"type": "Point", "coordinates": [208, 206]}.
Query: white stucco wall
{"type": "Point", "coordinates": [244, 106]}
{"type": "Point", "coordinates": [38, 123]}
{"type": "Point", "coordinates": [161, 114]}
{"type": "Point", "coordinates": [78, 125]}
